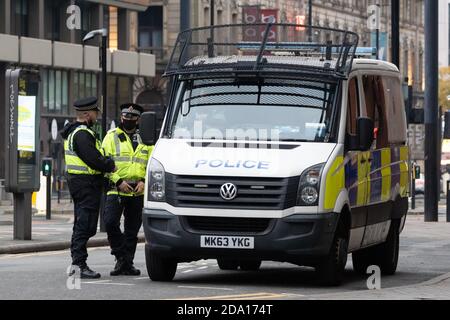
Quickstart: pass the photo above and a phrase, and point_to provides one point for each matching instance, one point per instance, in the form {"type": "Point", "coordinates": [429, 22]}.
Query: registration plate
{"type": "Point", "coordinates": [227, 242]}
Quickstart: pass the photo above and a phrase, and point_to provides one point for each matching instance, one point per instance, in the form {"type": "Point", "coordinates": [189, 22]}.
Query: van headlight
{"type": "Point", "coordinates": [309, 186]}
{"type": "Point", "coordinates": [156, 181]}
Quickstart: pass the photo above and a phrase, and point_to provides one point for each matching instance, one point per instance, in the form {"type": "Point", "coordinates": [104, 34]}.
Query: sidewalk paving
{"type": "Point", "coordinates": [47, 235]}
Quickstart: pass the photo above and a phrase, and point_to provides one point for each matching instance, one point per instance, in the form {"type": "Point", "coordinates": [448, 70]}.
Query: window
{"type": "Point", "coordinates": [394, 109]}
{"type": "Point", "coordinates": [84, 85]}
{"type": "Point", "coordinates": [20, 16]}
{"type": "Point", "coordinates": [353, 106]}
{"type": "Point", "coordinates": [52, 20]}
{"type": "Point", "coordinates": [55, 91]}
{"type": "Point", "coordinates": [151, 27]}
{"type": "Point", "coordinates": [374, 95]}
{"type": "Point", "coordinates": [279, 110]}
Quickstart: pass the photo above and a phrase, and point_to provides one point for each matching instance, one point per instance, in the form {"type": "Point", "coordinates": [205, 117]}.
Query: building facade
{"type": "Point", "coordinates": [352, 15]}
{"type": "Point", "coordinates": [35, 34]}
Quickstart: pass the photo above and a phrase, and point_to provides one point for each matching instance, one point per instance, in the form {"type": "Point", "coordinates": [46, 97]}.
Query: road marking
{"type": "Point", "coordinates": [95, 282]}
{"type": "Point", "coordinates": [249, 296]}
{"type": "Point", "coordinates": [35, 254]}
{"type": "Point", "coordinates": [205, 288]}
{"type": "Point", "coordinates": [141, 278]}
{"type": "Point", "coordinates": [187, 271]}
{"type": "Point", "coordinates": [108, 282]}
{"type": "Point", "coordinates": [293, 294]}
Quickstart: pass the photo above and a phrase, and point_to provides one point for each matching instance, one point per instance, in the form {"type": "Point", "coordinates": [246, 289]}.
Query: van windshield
{"type": "Point", "coordinates": [269, 110]}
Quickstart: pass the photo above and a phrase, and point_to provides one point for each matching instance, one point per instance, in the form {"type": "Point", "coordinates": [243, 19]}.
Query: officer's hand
{"type": "Point", "coordinates": [125, 187]}
{"type": "Point", "coordinates": [140, 187]}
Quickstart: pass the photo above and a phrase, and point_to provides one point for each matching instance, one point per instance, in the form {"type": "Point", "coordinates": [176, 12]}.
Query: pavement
{"type": "Point", "coordinates": [47, 235]}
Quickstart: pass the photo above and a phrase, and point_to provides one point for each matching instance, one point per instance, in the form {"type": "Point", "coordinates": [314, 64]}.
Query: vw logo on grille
{"type": "Point", "coordinates": [228, 191]}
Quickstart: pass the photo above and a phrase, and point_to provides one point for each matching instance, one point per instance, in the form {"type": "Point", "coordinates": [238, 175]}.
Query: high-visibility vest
{"type": "Point", "coordinates": [74, 165]}
{"type": "Point", "coordinates": [131, 164]}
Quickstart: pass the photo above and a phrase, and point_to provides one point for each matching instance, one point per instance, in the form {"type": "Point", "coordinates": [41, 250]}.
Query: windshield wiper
{"type": "Point", "coordinates": [294, 140]}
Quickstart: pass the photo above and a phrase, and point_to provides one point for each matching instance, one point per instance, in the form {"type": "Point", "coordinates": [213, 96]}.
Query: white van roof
{"type": "Point", "coordinates": [358, 63]}
{"type": "Point", "coordinates": [372, 64]}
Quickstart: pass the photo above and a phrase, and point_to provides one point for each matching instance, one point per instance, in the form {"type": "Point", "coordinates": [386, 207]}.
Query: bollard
{"type": "Point", "coordinates": [448, 201]}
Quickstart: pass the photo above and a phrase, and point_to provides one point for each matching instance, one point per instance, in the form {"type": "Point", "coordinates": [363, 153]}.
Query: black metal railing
{"type": "Point", "coordinates": [259, 47]}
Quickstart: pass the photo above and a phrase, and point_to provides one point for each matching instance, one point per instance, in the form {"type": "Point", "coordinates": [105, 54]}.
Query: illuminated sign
{"type": "Point", "coordinates": [300, 19]}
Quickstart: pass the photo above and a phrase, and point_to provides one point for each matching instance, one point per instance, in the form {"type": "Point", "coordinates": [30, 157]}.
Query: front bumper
{"type": "Point", "coordinates": [300, 238]}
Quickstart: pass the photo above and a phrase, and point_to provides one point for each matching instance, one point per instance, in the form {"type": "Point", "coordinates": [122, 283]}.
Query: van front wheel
{"type": "Point", "coordinates": [331, 269]}
{"type": "Point", "coordinates": [159, 268]}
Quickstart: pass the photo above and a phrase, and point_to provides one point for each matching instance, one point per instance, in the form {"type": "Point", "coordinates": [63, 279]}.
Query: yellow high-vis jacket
{"type": "Point", "coordinates": [74, 164]}
{"type": "Point", "coordinates": [131, 164]}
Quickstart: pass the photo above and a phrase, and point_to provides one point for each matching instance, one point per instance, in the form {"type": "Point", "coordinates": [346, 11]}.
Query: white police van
{"type": "Point", "coordinates": [282, 147]}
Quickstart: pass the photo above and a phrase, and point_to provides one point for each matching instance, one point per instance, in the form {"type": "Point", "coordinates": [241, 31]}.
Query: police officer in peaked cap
{"type": "Point", "coordinates": [126, 195]}
{"type": "Point", "coordinates": [86, 166]}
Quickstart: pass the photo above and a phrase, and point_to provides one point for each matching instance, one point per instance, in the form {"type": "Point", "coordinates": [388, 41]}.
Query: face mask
{"type": "Point", "coordinates": [91, 123]}
{"type": "Point", "coordinates": [129, 125]}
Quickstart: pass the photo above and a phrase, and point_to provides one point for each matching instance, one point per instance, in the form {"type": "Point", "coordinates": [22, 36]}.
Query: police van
{"type": "Point", "coordinates": [280, 143]}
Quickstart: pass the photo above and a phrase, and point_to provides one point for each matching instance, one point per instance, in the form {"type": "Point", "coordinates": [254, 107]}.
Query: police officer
{"type": "Point", "coordinates": [126, 195]}
{"type": "Point", "coordinates": [86, 166]}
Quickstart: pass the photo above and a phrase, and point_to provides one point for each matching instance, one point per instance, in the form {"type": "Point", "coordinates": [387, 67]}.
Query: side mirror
{"type": "Point", "coordinates": [364, 132]}
{"type": "Point", "coordinates": [147, 128]}
{"type": "Point", "coordinates": [447, 125]}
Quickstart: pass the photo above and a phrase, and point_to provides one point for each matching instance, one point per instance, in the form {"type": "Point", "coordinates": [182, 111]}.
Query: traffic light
{"type": "Point", "coordinates": [47, 167]}
{"type": "Point", "coordinates": [416, 172]}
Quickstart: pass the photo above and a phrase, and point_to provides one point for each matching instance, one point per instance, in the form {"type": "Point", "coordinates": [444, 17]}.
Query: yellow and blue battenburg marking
{"type": "Point", "coordinates": [369, 177]}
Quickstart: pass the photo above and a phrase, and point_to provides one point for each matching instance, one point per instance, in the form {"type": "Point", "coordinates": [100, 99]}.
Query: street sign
{"type": "Point", "coordinates": [54, 129]}
{"type": "Point", "coordinates": [416, 141]}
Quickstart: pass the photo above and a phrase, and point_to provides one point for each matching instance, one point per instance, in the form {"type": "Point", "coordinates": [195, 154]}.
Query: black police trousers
{"type": "Point", "coordinates": [86, 191]}
{"type": "Point", "coordinates": [123, 244]}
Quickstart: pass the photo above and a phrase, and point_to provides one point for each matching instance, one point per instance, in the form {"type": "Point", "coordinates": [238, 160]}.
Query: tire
{"type": "Point", "coordinates": [362, 259]}
{"type": "Point", "coordinates": [331, 269]}
{"type": "Point", "coordinates": [388, 251]}
{"type": "Point", "coordinates": [250, 265]}
{"type": "Point", "coordinates": [227, 264]}
{"type": "Point", "coordinates": [159, 268]}
{"type": "Point", "coordinates": [384, 255]}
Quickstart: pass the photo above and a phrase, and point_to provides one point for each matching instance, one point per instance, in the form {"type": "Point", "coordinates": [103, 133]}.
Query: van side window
{"type": "Point", "coordinates": [353, 106]}
{"type": "Point", "coordinates": [395, 110]}
{"type": "Point", "coordinates": [374, 95]}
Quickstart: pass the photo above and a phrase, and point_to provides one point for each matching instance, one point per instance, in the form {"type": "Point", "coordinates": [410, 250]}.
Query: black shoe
{"type": "Point", "coordinates": [130, 270]}
{"type": "Point", "coordinates": [118, 268]}
{"type": "Point", "coordinates": [87, 273]}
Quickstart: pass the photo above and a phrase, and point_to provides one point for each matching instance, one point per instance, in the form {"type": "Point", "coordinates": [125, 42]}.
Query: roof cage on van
{"type": "Point", "coordinates": [263, 47]}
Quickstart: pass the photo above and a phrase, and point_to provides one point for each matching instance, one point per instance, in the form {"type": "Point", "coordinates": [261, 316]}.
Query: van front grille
{"type": "Point", "coordinates": [221, 224]}
{"type": "Point", "coordinates": [252, 193]}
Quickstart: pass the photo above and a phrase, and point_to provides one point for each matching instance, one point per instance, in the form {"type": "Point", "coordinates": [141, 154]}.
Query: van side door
{"type": "Point", "coordinates": [356, 168]}
{"type": "Point", "coordinates": [379, 206]}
